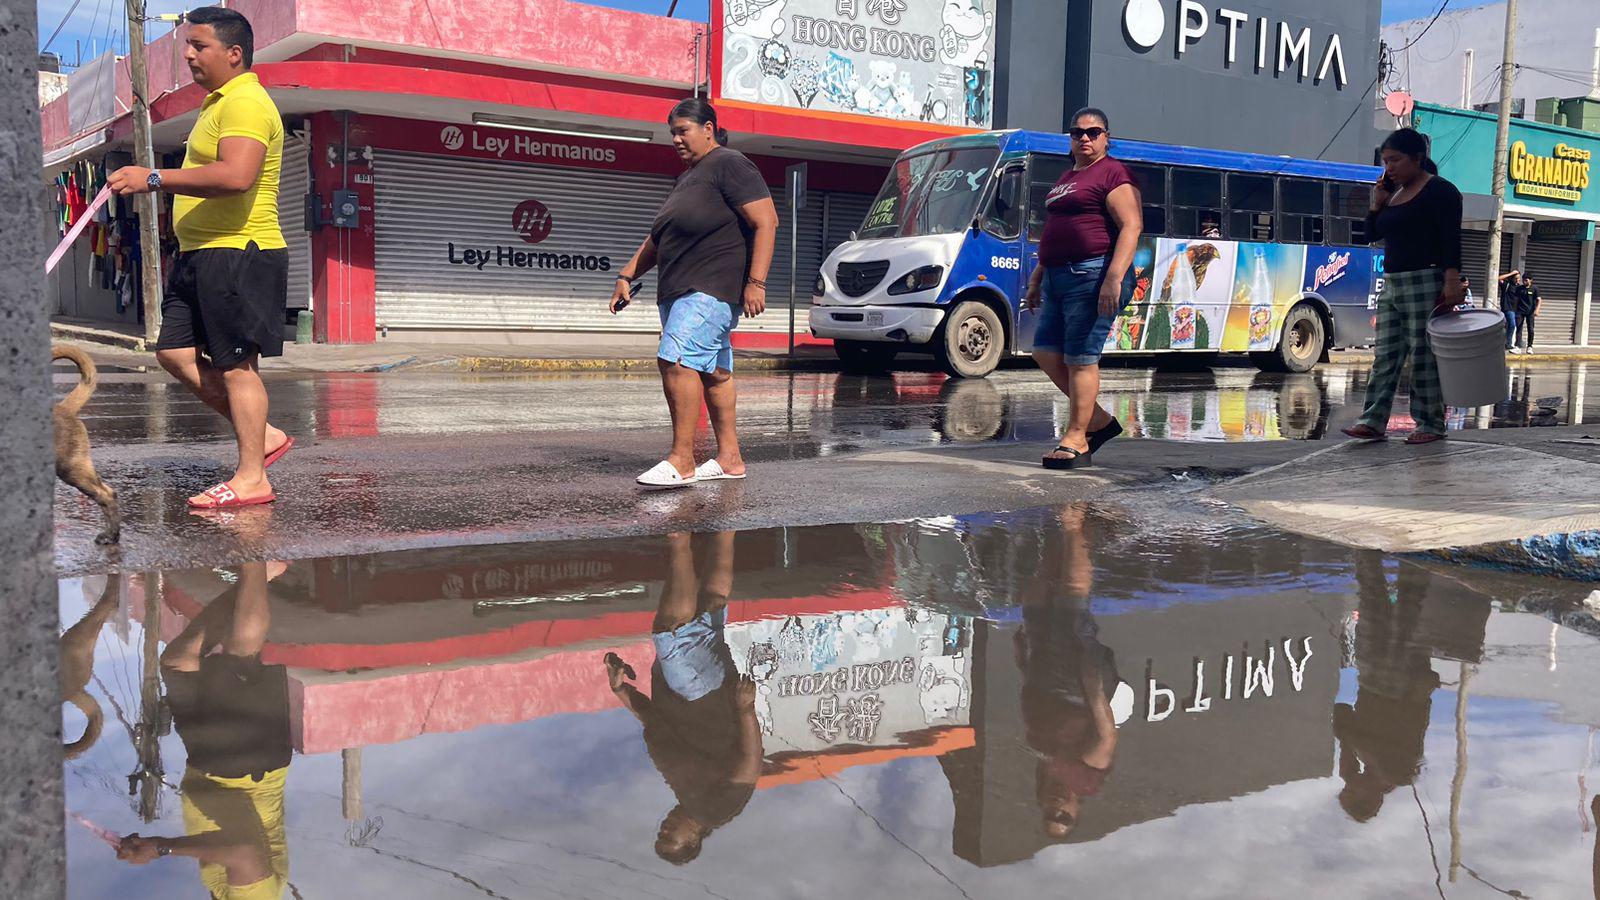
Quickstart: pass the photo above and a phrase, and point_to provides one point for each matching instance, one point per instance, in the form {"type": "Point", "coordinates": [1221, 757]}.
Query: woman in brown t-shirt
{"type": "Point", "coordinates": [713, 241]}
{"type": "Point", "coordinates": [1085, 278]}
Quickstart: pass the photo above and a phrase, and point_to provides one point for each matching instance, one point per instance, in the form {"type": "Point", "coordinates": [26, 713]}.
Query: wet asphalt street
{"type": "Point", "coordinates": [391, 461]}
{"type": "Point", "coordinates": [901, 660]}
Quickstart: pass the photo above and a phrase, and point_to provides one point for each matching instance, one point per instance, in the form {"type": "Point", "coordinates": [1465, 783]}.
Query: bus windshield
{"type": "Point", "coordinates": [932, 192]}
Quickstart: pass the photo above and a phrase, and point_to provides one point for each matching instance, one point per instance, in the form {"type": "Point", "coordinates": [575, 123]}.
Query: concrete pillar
{"type": "Point", "coordinates": [32, 857]}
{"type": "Point", "coordinates": [1585, 294]}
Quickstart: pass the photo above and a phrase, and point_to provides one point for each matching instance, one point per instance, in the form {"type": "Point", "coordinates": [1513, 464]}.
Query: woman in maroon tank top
{"type": "Point", "coordinates": [1083, 280]}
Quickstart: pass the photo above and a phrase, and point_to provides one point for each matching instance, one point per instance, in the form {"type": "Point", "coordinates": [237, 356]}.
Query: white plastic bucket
{"type": "Point", "coordinates": [1470, 347]}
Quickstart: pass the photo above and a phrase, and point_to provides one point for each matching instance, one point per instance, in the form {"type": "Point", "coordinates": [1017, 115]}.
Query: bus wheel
{"type": "Point", "coordinates": [1300, 345]}
{"type": "Point", "coordinates": [972, 341]}
{"type": "Point", "coordinates": [865, 357]}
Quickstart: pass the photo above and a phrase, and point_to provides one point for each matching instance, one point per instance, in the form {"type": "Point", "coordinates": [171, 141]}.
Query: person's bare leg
{"type": "Point", "coordinates": [723, 401]}
{"type": "Point", "coordinates": [1085, 381]}
{"type": "Point", "coordinates": [1072, 385]}
{"type": "Point", "coordinates": [247, 399]}
{"type": "Point", "coordinates": [678, 604]}
{"type": "Point", "coordinates": [684, 399]}
{"type": "Point", "coordinates": [205, 382]}
{"type": "Point", "coordinates": [251, 616]}
{"type": "Point", "coordinates": [716, 574]}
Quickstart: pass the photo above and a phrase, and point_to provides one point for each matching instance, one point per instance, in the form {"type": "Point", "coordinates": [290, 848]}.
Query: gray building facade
{"type": "Point", "coordinates": [1284, 77]}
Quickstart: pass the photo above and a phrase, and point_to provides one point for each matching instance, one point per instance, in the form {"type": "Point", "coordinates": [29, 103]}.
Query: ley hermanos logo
{"type": "Point", "coordinates": [452, 138]}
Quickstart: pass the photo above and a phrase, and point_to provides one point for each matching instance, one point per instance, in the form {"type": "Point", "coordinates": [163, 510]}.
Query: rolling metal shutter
{"type": "Point", "coordinates": [846, 212]}
{"type": "Point", "coordinates": [1475, 260]}
{"type": "Point", "coordinates": [426, 204]}
{"type": "Point", "coordinates": [1554, 266]}
{"type": "Point", "coordinates": [294, 182]}
{"type": "Point", "coordinates": [777, 316]}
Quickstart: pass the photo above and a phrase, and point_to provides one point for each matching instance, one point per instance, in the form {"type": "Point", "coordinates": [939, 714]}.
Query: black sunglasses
{"type": "Point", "coordinates": [1093, 134]}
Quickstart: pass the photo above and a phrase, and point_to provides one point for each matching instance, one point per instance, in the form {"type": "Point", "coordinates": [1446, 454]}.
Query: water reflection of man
{"type": "Point", "coordinates": [1381, 736]}
{"type": "Point", "coordinates": [1068, 680]}
{"type": "Point", "coordinates": [700, 724]}
{"type": "Point", "coordinates": [232, 714]}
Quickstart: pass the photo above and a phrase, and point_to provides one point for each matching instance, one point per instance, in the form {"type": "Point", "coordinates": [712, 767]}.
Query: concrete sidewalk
{"type": "Point", "coordinates": [1526, 498]}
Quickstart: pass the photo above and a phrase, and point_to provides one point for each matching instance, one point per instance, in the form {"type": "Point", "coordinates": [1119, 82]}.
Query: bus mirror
{"type": "Point", "coordinates": [977, 224]}
{"type": "Point", "coordinates": [852, 237]}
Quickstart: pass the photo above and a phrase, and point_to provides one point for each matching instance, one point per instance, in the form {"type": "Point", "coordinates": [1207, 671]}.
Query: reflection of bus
{"type": "Point", "coordinates": [1275, 246]}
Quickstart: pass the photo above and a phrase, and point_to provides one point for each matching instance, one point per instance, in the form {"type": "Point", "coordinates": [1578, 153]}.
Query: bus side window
{"type": "Point", "coordinates": [1004, 218]}
{"type": "Point", "coordinates": [1196, 208]}
{"type": "Point", "coordinates": [1347, 208]}
{"type": "Point", "coordinates": [1152, 182]}
{"type": "Point", "coordinates": [1043, 173]}
{"type": "Point", "coordinates": [1250, 205]}
{"type": "Point", "coordinates": [1304, 210]}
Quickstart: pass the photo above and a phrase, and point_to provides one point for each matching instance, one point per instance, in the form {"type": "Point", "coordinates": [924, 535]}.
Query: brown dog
{"type": "Point", "coordinates": [77, 665]}
{"type": "Point", "coordinates": [73, 464]}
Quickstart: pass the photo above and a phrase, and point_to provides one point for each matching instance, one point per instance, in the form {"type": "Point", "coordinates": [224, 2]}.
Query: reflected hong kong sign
{"type": "Point", "coordinates": [914, 60]}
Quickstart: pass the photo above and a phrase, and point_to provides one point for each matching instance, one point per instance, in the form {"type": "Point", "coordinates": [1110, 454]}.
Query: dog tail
{"type": "Point", "coordinates": [88, 376]}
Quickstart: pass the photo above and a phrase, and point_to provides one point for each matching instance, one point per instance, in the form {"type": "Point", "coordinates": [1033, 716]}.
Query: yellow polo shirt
{"type": "Point", "coordinates": [240, 108]}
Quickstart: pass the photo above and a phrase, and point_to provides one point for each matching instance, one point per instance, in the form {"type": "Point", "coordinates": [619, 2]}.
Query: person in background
{"type": "Point", "coordinates": [1083, 280]}
{"type": "Point", "coordinates": [1417, 215]}
{"type": "Point", "coordinates": [1511, 306]}
{"type": "Point", "coordinates": [1466, 294]}
{"type": "Point", "coordinates": [1209, 227]}
{"type": "Point", "coordinates": [227, 294]}
{"type": "Point", "coordinates": [1528, 313]}
{"type": "Point", "coordinates": [713, 242]}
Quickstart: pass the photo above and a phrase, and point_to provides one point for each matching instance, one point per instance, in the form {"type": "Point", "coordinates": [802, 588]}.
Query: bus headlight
{"type": "Point", "coordinates": [924, 279]}
{"type": "Point", "coordinates": [819, 289]}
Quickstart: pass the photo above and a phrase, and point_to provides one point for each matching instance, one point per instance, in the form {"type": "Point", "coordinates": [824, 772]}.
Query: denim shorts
{"type": "Point", "coordinates": [692, 656]}
{"type": "Point", "coordinates": [697, 331]}
{"type": "Point", "coordinates": [1069, 318]}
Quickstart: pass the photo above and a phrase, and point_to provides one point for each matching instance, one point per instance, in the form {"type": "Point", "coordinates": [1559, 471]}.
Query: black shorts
{"type": "Point", "coordinates": [228, 303]}
{"type": "Point", "coordinates": [232, 715]}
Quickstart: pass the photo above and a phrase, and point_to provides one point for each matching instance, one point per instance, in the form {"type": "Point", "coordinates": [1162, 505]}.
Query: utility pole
{"type": "Point", "coordinates": [1502, 137]}
{"type": "Point", "coordinates": [144, 155]}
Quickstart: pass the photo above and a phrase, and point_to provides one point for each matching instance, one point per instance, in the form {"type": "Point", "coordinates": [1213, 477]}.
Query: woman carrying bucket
{"type": "Point", "coordinates": [1418, 216]}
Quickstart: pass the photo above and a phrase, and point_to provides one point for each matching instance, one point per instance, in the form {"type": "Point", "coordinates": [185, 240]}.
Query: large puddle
{"type": "Point", "coordinates": [1045, 703]}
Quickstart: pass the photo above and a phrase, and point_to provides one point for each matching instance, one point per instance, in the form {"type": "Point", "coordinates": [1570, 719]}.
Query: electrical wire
{"type": "Point", "coordinates": [1411, 43]}
{"type": "Point", "coordinates": [64, 19]}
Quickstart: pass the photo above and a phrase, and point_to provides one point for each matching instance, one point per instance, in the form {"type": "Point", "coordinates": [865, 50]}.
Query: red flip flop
{"type": "Point", "coordinates": [277, 454]}
{"type": "Point", "coordinates": [223, 497]}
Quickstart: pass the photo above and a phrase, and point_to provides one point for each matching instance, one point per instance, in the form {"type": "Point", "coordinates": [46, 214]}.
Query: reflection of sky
{"type": "Point", "coordinates": [568, 806]}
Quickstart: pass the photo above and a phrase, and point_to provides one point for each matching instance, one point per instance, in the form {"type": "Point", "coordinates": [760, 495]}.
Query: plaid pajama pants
{"type": "Point", "coordinates": [1404, 309]}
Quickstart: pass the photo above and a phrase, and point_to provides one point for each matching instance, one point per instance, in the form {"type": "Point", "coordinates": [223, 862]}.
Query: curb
{"type": "Point", "coordinates": [1574, 556]}
{"type": "Point", "coordinates": [96, 336]}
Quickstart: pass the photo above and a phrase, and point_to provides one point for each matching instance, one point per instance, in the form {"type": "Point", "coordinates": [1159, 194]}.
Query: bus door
{"type": "Point", "coordinates": [1044, 170]}
{"type": "Point", "coordinates": [996, 250]}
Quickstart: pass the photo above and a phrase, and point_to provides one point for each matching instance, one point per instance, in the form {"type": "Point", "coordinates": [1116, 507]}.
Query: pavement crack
{"type": "Point", "coordinates": [484, 889]}
{"type": "Point", "coordinates": [894, 837]}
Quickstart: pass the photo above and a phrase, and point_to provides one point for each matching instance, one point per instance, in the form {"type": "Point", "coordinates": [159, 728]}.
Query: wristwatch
{"type": "Point", "coordinates": [154, 181]}
{"type": "Point", "coordinates": [163, 849]}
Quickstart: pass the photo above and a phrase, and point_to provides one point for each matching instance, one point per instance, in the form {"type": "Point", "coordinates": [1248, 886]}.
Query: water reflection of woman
{"type": "Point", "coordinates": [232, 713]}
{"type": "Point", "coordinates": [700, 724]}
{"type": "Point", "coordinates": [1381, 736]}
{"type": "Point", "coordinates": [1068, 680]}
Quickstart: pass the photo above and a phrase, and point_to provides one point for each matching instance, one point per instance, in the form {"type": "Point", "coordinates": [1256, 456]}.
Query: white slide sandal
{"type": "Point", "coordinates": [665, 475]}
{"type": "Point", "coordinates": [711, 470]}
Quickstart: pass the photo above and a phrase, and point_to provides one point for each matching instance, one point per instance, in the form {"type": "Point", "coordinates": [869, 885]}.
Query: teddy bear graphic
{"type": "Point", "coordinates": [877, 96]}
{"type": "Point", "coordinates": [965, 33]}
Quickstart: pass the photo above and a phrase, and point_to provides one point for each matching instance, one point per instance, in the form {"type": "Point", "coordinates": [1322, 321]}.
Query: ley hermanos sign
{"type": "Point", "coordinates": [1270, 47]}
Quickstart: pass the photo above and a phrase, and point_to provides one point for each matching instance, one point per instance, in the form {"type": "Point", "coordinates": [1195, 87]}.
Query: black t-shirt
{"type": "Point", "coordinates": [1423, 232]}
{"type": "Point", "coordinates": [702, 243]}
{"type": "Point", "coordinates": [1528, 299]}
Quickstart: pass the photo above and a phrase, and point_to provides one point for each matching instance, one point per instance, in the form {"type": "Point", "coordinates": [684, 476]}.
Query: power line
{"type": "Point", "coordinates": [1425, 28]}
{"type": "Point", "coordinates": [64, 19]}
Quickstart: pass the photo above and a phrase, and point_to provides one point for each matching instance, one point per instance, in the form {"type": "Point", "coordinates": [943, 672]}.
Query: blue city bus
{"type": "Point", "coordinates": [1276, 253]}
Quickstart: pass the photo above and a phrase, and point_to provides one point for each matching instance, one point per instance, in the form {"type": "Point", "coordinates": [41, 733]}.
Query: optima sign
{"type": "Point", "coordinates": [1275, 48]}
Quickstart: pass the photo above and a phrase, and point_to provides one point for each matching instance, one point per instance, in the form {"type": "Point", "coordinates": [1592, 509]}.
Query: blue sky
{"type": "Point", "coordinates": [95, 22]}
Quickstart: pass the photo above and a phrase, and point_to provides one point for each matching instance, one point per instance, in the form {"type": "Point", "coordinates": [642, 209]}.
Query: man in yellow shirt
{"type": "Point", "coordinates": [227, 294]}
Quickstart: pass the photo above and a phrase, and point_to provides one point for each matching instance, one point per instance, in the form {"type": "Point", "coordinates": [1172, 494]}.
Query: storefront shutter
{"type": "Point", "coordinates": [293, 184]}
{"type": "Point", "coordinates": [1594, 303]}
{"type": "Point", "coordinates": [1475, 260]}
{"type": "Point", "coordinates": [846, 212]}
{"type": "Point", "coordinates": [1554, 266]}
{"type": "Point", "coordinates": [425, 204]}
{"type": "Point", "coordinates": [777, 317]}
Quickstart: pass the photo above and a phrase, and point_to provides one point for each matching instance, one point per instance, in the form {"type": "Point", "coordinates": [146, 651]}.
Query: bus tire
{"type": "Point", "coordinates": [1301, 344]}
{"type": "Point", "coordinates": [971, 341]}
{"type": "Point", "coordinates": [865, 357]}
